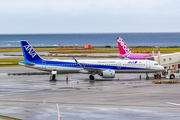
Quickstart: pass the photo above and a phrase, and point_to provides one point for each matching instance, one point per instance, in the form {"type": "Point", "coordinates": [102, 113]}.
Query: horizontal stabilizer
{"type": "Point", "coordinates": [26, 62]}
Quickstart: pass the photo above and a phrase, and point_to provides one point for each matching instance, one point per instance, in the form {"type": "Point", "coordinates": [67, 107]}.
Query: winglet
{"type": "Point", "coordinates": [59, 117]}
{"type": "Point", "coordinates": [76, 62]}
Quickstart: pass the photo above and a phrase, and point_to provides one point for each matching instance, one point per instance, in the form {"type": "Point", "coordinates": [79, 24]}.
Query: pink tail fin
{"type": "Point", "coordinates": [123, 49]}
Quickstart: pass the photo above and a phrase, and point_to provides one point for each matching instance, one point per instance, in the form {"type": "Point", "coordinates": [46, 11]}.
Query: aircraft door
{"type": "Point", "coordinates": [147, 64]}
{"type": "Point", "coordinates": [119, 65]}
{"type": "Point", "coordinates": [44, 64]}
{"type": "Point", "coordinates": [83, 64]}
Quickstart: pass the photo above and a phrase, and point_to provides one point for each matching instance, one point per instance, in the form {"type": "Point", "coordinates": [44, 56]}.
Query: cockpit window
{"type": "Point", "coordinates": [155, 63]}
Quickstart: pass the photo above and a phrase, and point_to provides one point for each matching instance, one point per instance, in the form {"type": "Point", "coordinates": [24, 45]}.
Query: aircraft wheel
{"type": "Point", "coordinates": [147, 77]}
{"type": "Point", "coordinates": [91, 77]}
{"type": "Point", "coordinates": [172, 76]}
{"type": "Point", "coordinates": [159, 76]}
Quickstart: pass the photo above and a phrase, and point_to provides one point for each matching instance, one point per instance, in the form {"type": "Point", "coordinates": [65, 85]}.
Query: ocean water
{"type": "Point", "coordinates": [131, 39]}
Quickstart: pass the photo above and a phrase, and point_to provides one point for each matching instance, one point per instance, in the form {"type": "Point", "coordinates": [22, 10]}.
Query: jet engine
{"type": "Point", "coordinates": [108, 74]}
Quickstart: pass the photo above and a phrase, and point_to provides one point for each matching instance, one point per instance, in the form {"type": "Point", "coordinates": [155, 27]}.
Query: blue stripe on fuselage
{"type": "Point", "coordinates": [85, 65]}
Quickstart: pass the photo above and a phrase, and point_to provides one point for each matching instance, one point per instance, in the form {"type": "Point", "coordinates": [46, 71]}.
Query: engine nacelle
{"type": "Point", "coordinates": [108, 74]}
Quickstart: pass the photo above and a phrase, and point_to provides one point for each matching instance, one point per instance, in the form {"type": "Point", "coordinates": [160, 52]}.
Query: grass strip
{"type": "Point", "coordinates": [2, 117]}
{"type": "Point", "coordinates": [9, 62]}
{"type": "Point", "coordinates": [95, 50]}
{"type": "Point", "coordinates": [20, 49]}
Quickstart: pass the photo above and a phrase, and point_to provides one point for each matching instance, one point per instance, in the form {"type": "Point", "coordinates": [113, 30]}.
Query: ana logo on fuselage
{"type": "Point", "coordinates": [30, 50]}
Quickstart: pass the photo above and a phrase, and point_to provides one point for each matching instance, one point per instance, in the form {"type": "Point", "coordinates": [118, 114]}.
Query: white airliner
{"type": "Point", "coordinates": [104, 68]}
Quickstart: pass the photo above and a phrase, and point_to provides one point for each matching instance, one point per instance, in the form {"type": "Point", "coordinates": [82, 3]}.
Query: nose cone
{"type": "Point", "coordinates": [161, 68]}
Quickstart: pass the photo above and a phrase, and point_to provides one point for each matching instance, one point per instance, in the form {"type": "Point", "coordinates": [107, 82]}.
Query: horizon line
{"type": "Point", "coordinates": [83, 33]}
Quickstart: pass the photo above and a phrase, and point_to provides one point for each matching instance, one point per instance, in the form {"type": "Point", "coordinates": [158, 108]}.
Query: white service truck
{"type": "Point", "coordinates": [171, 74]}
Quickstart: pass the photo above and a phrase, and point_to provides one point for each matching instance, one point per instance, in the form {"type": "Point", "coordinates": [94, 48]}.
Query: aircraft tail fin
{"type": "Point", "coordinates": [29, 53]}
{"type": "Point", "coordinates": [123, 48]}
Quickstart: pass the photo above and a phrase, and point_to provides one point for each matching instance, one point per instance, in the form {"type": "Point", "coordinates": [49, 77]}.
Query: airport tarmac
{"type": "Point", "coordinates": [34, 97]}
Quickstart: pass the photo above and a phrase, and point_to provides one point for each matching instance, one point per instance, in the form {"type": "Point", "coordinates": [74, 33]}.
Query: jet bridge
{"type": "Point", "coordinates": [166, 60]}
{"type": "Point", "coordinates": [171, 62]}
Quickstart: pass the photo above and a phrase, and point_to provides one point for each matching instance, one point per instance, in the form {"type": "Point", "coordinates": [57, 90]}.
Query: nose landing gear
{"type": "Point", "coordinates": [147, 77]}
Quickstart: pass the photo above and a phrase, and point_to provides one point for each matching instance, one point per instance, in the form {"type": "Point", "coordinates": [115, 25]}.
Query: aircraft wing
{"type": "Point", "coordinates": [87, 68]}
{"type": "Point", "coordinates": [121, 57]}
{"type": "Point", "coordinates": [92, 69]}
{"type": "Point", "coordinates": [78, 64]}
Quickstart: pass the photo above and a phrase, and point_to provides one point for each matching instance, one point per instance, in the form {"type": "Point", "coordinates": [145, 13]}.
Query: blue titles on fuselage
{"type": "Point", "coordinates": [105, 61]}
{"type": "Point", "coordinates": [132, 62]}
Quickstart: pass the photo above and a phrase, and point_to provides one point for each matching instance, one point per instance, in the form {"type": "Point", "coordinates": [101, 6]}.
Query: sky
{"type": "Point", "coordinates": [88, 16]}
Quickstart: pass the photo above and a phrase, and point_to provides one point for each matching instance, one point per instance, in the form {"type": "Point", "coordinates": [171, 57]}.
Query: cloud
{"type": "Point", "coordinates": [59, 16]}
{"type": "Point", "coordinates": [79, 5]}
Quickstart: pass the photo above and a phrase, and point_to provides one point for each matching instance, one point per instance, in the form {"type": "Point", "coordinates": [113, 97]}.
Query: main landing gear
{"type": "Point", "coordinates": [147, 77]}
{"type": "Point", "coordinates": [53, 76]}
{"type": "Point", "coordinates": [91, 77]}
